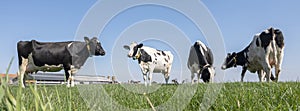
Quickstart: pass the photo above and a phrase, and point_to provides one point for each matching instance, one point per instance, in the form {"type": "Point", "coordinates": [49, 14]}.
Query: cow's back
{"type": "Point", "coordinates": [200, 54]}
{"type": "Point", "coordinates": [161, 59]}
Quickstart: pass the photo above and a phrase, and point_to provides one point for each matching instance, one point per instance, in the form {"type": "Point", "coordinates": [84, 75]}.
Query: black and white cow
{"type": "Point", "coordinates": [264, 52]}
{"type": "Point", "coordinates": [37, 56]}
{"type": "Point", "coordinates": [151, 60]}
{"type": "Point", "coordinates": [201, 61]}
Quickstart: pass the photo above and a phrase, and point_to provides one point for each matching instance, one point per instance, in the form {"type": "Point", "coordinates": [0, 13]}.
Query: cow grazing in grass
{"type": "Point", "coordinates": [151, 60]}
{"type": "Point", "coordinates": [37, 56]}
{"type": "Point", "coordinates": [264, 52]}
{"type": "Point", "coordinates": [201, 61]}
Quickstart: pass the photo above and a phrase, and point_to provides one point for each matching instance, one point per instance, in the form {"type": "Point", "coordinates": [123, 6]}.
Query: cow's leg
{"type": "Point", "coordinates": [145, 78]}
{"type": "Point", "coordinates": [268, 73]}
{"type": "Point", "coordinates": [22, 72]}
{"type": "Point", "coordinates": [243, 73]}
{"type": "Point", "coordinates": [67, 74]}
{"type": "Point", "coordinates": [267, 70]}
{"type": "Point", "coordinates": [151, 69]}
{"type": "Point", "coordinates": [145, 71]}
{"type": "Point", "coordinates": [198, 77]}
{"type": "Point", "coordinates": [277, 72]}
{"type": "Point", "coordinates": [73, 71]}
{"type": "Point", "coordinates": [68, 78]}
{"type": "Point", "coordinates": [192, 77]}
{"type": "Point", "coordinates": [71, 77]}
{"type": "Point", "coordinates": [22, 79]}
{"type": "Point", "coordinates": [150, 77]}
{"type": "Point", "coordinates": [261, 75]}
{"type": "Point", "coordinates": [266, 65]}
{"type": "Point", "coordinates": [167, 74]}
{"type": "Point", "coordinates": [278, 65]}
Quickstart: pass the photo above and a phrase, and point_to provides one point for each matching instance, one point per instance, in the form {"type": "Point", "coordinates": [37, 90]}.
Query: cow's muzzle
{"type": "Point", "coordinates": [102, 53]}
{"type": "Point", "coordinates": [223, 67]}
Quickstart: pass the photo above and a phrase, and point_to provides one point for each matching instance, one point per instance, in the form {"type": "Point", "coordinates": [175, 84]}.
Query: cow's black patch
{"type": "Point", "coordinates": [205, 75]}
{"type": "Point", "coordinates": [135, 49]}
{"type": "Point", "coordinates": [145, 57]}
{"type": "Point", "coordinates": [241, 59]}
{"type": "Point", "coordinates": [166, 60]}
{"type": "Point", "coordinates": [163, 53]}
{"type": "Point", "coordinates": [257, 42]}
{"type": "Point", "coordinates": [279, 38]}
{"type": "Point", "coordinates": [159, 52]}
{"type": "Point", "coordinates": [266, 38]}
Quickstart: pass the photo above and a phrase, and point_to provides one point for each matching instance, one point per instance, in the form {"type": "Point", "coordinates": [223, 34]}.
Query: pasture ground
{"type": "Point", "coordinates": [233, 96]}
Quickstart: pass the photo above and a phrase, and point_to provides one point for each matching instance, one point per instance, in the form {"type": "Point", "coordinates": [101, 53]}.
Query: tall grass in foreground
{"type": "Point", "coordinates": [233, 96]}
{"type": "Point", "coordinates": [39, 98]}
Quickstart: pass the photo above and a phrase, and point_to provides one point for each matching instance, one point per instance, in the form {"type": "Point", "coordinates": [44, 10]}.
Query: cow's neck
{"type": "Point", "coordinates": [84, 54]}
{"type": "Point", "coordinates": [241, 58]}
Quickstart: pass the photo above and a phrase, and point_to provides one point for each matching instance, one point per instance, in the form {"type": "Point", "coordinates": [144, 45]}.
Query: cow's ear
{"type": "Point", "coordinates": [86, 39]}
{"type": "Point", "coordinates": [228, 54]}
{"type": "Point", "coordinates": [126, 47]}
{"type": "Point", "coordinates": [140, 45]}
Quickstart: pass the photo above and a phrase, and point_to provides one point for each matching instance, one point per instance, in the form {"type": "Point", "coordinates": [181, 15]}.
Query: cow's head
{"type": "Point", "coordinates": [230, 61]}
{"type": "Point", "coordinates": [94, 46]}
{"type": "Point", "coordinates": [134, 50]}
{"type": "Point", "coordinates": [207, 73]}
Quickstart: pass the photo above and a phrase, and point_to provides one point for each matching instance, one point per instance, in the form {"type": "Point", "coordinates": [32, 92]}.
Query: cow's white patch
{"type": "Point", "coordinates": [73, 69]}
{"type": "Point", "coordinates": [22, 70]}
{"type": "Point", "coordinates": [266, 31]}
{"type": "Point", "coordinates": [202, 45]}
{"type": "Point", "coordinates": [69, 45]}
{"type": "Point", "coordinates": [194, 68]}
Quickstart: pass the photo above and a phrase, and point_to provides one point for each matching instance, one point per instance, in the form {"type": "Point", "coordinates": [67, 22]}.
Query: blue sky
{"type": "Point", "coordinates": [58, 20]}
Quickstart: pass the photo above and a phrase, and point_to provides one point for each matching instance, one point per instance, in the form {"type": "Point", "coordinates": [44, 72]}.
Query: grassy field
{"type": "Point", "coordinates": [232, 96]}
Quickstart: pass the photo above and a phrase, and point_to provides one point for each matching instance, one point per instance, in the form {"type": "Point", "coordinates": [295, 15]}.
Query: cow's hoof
{"type": "Point", "coordinates": [68, 85]}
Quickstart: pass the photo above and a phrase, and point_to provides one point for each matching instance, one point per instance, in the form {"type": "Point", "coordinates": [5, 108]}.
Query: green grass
{"type": "Point", "coordinates": [233, 96]}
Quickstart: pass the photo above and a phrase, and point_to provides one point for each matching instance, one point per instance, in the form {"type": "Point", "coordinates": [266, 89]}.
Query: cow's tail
{"type": "Point", "coordinates": [273, 45]}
